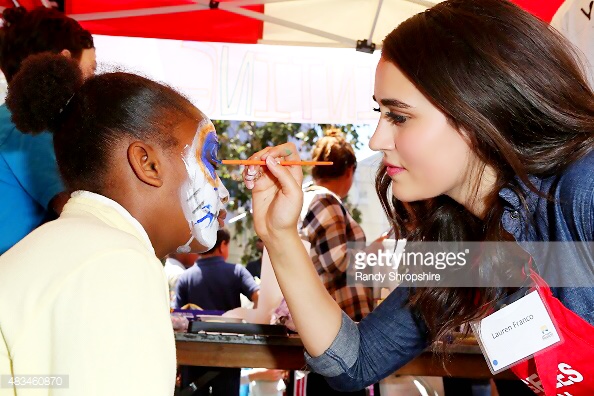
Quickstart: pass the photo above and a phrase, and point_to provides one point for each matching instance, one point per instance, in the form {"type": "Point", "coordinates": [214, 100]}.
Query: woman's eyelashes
{"type": "Point", "coordinates": [393, 118]}
{"type": "Point", "coordinates": [396, 119]}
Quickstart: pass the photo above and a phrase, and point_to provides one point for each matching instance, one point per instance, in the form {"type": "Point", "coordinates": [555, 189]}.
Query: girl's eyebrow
{"type": "Point", "coordinates": [393, 103]}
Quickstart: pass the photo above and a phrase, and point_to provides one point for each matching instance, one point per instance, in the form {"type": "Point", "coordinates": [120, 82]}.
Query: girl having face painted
{"type": "Point", "coordinates": [142, 161]}
{"type": "Point", "coordinates": [487, 134]}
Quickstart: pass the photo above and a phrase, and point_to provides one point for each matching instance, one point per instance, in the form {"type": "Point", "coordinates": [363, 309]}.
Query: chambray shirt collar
{"type": "Point", "coordinates": [513, 200]}
{"type": "Point", "coordinates": [516, 218]}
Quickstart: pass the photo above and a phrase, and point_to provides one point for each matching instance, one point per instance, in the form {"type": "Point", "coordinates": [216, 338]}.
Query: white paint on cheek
{"type": "Point", "coordinates": [201, 202]}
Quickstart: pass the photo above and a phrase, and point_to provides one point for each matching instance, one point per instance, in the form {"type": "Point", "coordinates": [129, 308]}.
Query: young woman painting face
{"type": "Point", "coordinates": [424, 154]}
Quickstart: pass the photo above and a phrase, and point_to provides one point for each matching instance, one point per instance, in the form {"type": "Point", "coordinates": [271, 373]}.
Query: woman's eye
{"type": "Point", "coordinates": [396, 119]}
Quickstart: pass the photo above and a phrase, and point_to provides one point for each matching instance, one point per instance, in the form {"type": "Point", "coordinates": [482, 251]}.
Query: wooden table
{"type": "Point", "coordinates": [218, 350]}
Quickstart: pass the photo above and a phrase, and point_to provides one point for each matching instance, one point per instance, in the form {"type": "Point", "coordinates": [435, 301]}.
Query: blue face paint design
{"type": "Point", "coordinates": [208, 216]}
{"type": "Point", "coordinates": [210, 151]}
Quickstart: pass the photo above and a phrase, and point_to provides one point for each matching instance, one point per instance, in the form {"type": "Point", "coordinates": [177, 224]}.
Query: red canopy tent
{"type": "Point", "coordinates": [293, 82]}
{"type": "Point", "coordinates": [243, 21]}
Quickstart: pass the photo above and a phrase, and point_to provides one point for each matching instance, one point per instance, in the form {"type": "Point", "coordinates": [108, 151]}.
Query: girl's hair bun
{"type": "Point", "coordinates": [41, 90]}
{"type": "Point", "coordinates": [334, 132]}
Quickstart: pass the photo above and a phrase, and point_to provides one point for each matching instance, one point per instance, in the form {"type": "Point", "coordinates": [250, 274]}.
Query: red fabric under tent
{"type": "Point", "coordinates": [205, 25]}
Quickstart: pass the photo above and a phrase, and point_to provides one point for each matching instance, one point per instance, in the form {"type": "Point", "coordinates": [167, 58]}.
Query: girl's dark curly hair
{"type": "Point", "coordinates": [89, 118]}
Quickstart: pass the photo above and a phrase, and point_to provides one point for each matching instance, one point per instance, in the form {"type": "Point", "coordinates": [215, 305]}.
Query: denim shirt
{"type": "Point", "coordinates": [392, 335]}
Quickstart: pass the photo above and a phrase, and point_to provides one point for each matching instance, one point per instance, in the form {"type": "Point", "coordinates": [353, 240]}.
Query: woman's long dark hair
{"type": "Point", "coordinates": [513, 87]}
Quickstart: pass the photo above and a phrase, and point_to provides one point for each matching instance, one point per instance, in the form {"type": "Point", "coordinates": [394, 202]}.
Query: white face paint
{"type": "Point", "coordinates": [203, 194]}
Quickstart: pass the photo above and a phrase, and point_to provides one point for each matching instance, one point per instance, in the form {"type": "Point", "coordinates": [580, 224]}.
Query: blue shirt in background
{"type": "Point", "coordinates": [29, 179]}
{"type": "Point", "coordinates": [213, 284]}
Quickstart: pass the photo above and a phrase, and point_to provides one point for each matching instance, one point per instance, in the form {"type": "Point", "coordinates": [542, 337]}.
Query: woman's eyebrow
{"type": "Point", "coordinates": [393, 103]}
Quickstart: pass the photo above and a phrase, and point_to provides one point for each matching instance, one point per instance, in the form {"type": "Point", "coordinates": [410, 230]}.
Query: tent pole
{"type": "Point", "coordinates": [204, 5]}
{"type": "Point", "coordinates": [160, 10]}
{"type": "Point", "coordinates": [379, 7]}
{"type": "Point", "coordinates": [139, 12]}
{"type": "Point", "coordinates": [243, 3]}
{"type": "Point", "coordinates": [266, 18]}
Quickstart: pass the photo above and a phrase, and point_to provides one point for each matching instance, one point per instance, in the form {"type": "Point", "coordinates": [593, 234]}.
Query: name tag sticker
{"type": "Point", "coordinates": [516, 332]}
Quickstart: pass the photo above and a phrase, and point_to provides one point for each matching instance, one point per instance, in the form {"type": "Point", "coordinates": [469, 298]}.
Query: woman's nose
{"type": "Point", "coordinates": [383, 138]}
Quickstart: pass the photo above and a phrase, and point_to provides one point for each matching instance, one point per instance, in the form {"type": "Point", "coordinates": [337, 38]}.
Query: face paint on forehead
{"type": "Point", "coordinates": [207, 150]}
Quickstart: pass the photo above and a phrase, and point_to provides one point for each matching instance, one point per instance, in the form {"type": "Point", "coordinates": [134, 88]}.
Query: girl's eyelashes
{"type": "Point", "coordinates": [214, 157]}
{"type": "Point", "coordinates": [376, 109]}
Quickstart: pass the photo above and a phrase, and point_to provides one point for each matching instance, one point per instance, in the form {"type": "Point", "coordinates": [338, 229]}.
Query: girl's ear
{"type": "Point", "coordinates": [145, 164]}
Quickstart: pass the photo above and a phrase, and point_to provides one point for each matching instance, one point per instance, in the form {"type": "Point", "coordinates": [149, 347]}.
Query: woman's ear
{"type": "Point", "coordinates": [145, 164]}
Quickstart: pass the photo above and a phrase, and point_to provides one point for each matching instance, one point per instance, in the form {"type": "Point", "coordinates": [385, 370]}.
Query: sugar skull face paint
{"type": "Point", "coordinates": [203, 195]}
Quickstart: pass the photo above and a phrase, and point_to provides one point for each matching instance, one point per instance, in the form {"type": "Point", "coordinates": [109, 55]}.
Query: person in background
{"type": "Point", "coordinates": [214, 284]}
{"type": "Point", "coordinates": [263, 382]}
{"type": "Point", "coordinates": [175, 265]}
{"type": "Point", "coordinates": [30, 185]}
{"type": "Point", "coordinates": [255, 266]}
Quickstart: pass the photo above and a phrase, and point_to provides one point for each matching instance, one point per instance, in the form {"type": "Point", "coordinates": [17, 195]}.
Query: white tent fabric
{"type": "Point", "coordinates": [348, 20]}
{"type": "Point", "coordinates": [254, 81]}
{"type": "Point", "coordinates": [574, 20]}
{"type": "Point", "coordinates": [292, 81]}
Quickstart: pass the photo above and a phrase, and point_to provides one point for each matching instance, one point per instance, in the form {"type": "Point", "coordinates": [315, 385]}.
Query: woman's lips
{"type": "Point", "coordinates": [392, 170]}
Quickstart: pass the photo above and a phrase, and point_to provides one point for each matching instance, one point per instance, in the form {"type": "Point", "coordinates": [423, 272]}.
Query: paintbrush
{"type": "Point", "coordinates": [284, 163]}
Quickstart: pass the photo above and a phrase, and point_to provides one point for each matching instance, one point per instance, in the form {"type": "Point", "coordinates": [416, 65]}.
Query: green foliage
{"type": "Point", "coordinates": [353, 210]}
{"type": "Point", "coordinates": [239, 140]}
{"type": "Point", "coordinates": [250, 253]}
